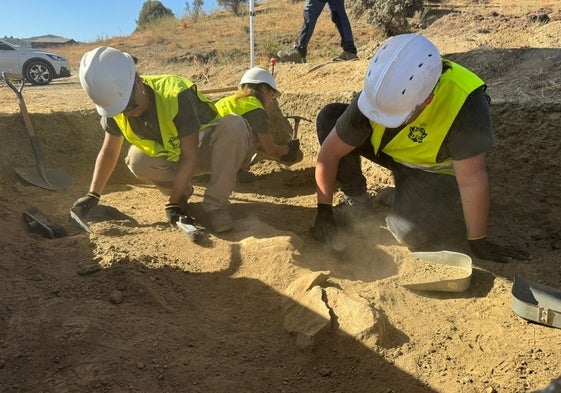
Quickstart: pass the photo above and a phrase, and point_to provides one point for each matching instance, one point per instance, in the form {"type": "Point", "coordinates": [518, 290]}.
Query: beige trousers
{"type": "Point", "coordinates": [223, 150]}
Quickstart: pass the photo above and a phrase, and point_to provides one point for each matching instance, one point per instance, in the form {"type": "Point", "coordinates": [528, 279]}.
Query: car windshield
{"type": "Point", "coordinates": [4, 46]}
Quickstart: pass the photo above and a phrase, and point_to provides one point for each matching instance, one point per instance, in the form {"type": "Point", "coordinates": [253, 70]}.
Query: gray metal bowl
{"type": "Point", "coordinates": [449, 258]}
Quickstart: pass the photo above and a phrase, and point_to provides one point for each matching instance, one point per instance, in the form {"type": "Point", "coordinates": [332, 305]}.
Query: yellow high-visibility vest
{"type": "Point", "coordinates": [166, 89]}
{"type": "Point", "coordinates": [418, 143]}
{"type": "Point", "coordinates": [237, 105]}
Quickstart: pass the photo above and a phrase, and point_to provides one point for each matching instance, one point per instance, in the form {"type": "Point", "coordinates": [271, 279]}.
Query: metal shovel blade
{"type": "Point", "coordinates": [78, 219]}
{"type": "Point", "coordinates": [47, 178]}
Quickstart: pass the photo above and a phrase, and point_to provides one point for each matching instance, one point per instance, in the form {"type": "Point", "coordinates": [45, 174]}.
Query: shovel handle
{"type": "Point", "coordinates": [22, 107]}
{"type": "Point", "coordinates": [25, 115]}
{"type": "Point", "coordinates": [219, 90]}
{"type": "Point", "coordinates": [30, 132]}
{"type": "Point", "coordinates": [7, 76]}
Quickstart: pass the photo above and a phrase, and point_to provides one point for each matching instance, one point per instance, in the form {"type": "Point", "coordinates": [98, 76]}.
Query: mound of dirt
{"type": "Point", "coordinates": [136, 306]}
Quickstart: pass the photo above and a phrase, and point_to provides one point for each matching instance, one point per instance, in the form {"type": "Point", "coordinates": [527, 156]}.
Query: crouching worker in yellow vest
{"type": "Point", "coordinates": [257, 90]}
{"type": "Point", "coordinates": [174, 131]}
{"type": "Point", "coordinates": [427, 120]}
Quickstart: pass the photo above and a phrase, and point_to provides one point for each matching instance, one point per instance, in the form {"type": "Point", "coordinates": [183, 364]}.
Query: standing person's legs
{"type": "Point", "coordinates": [341, 20]}
{"type": "Point", "coordinates": [424, 208]}
{"type": "Point", "coordinates": [312, 11]}
{"type": "Point", "coordinates": [222, 153]}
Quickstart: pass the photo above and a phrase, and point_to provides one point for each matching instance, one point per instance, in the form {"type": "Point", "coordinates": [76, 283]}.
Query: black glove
{"type": "Point", "coordinates": [185, 219]}
{"type": "Point", "coordinates": [294, 152]}
{"type": "Point", "coordinates": [83, 205]}
{"type": "Point", "coordinates": [324, 228]}
{"type": "Point", "coordinates": [173, 212]}
{"type": "Point", "coordinates": [484, 249]}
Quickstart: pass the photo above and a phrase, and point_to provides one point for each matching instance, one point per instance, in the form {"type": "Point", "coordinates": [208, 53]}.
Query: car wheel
{"type": "Point", "coordinates": [38, 73]}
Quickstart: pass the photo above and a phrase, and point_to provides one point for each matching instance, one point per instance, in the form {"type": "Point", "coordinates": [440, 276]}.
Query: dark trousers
{"type": "Point", "coordinates": [425, 207]}
{"type": "Point", "coordinates": [312, 11]}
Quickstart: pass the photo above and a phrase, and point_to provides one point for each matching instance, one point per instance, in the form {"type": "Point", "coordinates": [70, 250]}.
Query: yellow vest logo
{"type": "Point", "coordinates": [174, 141]}
{"type": "Point", "coordinates": [417, 134]}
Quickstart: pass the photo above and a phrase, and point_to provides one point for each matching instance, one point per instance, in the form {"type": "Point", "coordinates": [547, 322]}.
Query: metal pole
{"type": "Point", "coordinates": [251, 43]}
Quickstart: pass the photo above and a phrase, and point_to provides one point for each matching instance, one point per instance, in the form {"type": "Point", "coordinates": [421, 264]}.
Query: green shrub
{"type": "Point", "coordinates": [390, 15]}
{"type": "Point", "coordinates": [233, 5]}
{"type": "Point", "coordinates": [152, 11]}
{"type": "Point", "coordinates": [195, 10]}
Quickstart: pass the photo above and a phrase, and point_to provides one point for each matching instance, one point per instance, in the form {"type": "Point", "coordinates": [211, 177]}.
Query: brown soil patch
{"type": "Point", "coordinates": [137, 307]}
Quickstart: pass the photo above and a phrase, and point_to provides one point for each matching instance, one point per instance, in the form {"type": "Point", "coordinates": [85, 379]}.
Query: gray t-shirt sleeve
{"type": "Point", "coordinates": [192, 113]}
{"type": "Point", "coordinates": [258, 121]}
{"type": "Point", "coordinates": [110, 126]}
{"type": "Point", "coordinates": [352, 126]}
{"type": "Point", "coordinates": [472, 132]}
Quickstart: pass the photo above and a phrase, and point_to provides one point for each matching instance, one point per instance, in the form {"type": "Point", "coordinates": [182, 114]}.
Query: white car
{"type": "Point", "coordinates": [39, 67]}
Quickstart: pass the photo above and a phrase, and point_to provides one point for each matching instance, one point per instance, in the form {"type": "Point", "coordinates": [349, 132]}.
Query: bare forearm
{"type": "Point", "coordinates": [327, 165]}
{"type": "Point", "coordinates": [105, 165]}
{"type": "Point", "coordinates": [182, 179]}
{"type": "Point", "coordinates": [473, 183]}
{"type": "Point", "coordinates": [186, 167]}
{"type": "Point", "coordinates": [475, 204]}
{"type": "Point", "coordinates": [276, 151]}
{"type": "Point", "coordinates": [270, 149]}
{"type": "Point", "coordinates": [325, 179]}
{"type": "Point", "coordinates": [102, 172]}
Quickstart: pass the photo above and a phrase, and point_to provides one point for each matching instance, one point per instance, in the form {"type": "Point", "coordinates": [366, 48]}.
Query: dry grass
{"type": "Point", "coordinates": [504, 5]}
{"type": "Point", "coordinates": [221, 40]}
{"type": "Point", "coordinates": [226, 37]}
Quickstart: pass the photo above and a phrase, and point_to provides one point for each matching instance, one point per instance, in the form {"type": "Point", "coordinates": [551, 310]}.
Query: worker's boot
{"type": "Point", "coordinates": [220, 220]}
{"type": "Point", "coordinates": [346, 56]}
{"type": "Point", "coordinates": [291, 56]}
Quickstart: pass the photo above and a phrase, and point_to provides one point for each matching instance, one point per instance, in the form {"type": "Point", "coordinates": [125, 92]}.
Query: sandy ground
{"type": "Point", "coordinates": [137, 307]}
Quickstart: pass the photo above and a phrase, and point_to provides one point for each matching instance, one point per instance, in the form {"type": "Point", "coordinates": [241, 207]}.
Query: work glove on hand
{"type": "Point", "coordinates": [324, 228]}
{"type": "Point", "coordinates": [294, 154]}
{"type": "Point", "coordinates": [83, 205]}
{"type": "Point", "coordinates": [173, 212]}
{"type": "Point", "coordinates": [484, 249]}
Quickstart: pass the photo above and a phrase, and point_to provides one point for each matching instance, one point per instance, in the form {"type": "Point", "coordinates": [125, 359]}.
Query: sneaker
{"type": "Point", "coordinates": [351, 209]}
{"type": "Point", "coordinates": [346, 56]}
{"type": "Point", "coordinates": [220, 220]}
{"type": "Point", "coordinates": [291, 56]}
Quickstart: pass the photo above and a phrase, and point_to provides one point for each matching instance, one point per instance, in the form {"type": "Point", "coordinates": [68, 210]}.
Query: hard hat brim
{"type": "Point", "coordinates": [387, 120]}
{"type": "Point", "coordinates": [117, 107]}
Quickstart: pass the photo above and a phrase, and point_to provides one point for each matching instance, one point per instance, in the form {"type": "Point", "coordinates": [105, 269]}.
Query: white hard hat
{"type": "Point", "coordinates": [400, 76]}
{"type": "Point", "coordinates": [256, 75]}
{"type": "Point", "coordinates": [107, 76]}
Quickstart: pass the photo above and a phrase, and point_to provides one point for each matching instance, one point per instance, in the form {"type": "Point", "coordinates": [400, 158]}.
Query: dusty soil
{"type": "Point", "coordinates": [137, 307]}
